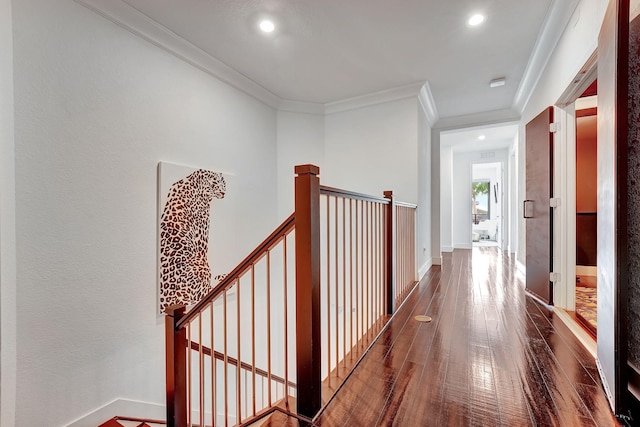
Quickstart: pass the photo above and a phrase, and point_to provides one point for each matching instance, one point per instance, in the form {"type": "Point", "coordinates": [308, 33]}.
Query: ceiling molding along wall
{"type": "Point", "coordinates": [557, 19]}
{"type": "Point", "coordinates": [144, 27]}
{"type": "Point", "coordinates": [374, 98]}
{"type": "Point", "coordinates": [478, 119]}
{"type": "Point", "coordinates": [428, 104]}
{"type": "Point", "coordinates": [300, 107]}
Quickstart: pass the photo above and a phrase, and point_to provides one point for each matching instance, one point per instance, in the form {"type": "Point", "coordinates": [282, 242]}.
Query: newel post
{"type": "Point", "coordinates": [307, 213]}
{"type": "Point", "coordinates": [176, 367]}
{"type": "Point", "coordinates": [391, 252]}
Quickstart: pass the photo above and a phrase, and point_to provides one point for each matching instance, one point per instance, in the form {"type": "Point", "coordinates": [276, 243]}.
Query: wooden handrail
{"type": "Point", "coordinates": [330, 191]}
{"type": "Point", "coordinates": [139, 420]}
{"type": "Point", "coordinates": [243, 365]}
{"type": "Point", "coordinates": [230, 278]}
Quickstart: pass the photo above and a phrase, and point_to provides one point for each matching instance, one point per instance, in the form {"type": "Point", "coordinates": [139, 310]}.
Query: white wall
{"type": "Point", "coordinates": [446, 198]}
{"type": "Point", "coordinates": [7, 222]}
{"type": "Point", "coordinates": [373, 149]}
{"type": "Point", "coordinates": [96, 108]}
{"type": "Point", "coordinates": [381, 147]}
{"type": "Point", "coordinates": [423, 226]}
{"type": "Point", "coordinates": [300, 141]}
{"type": "Point", "coordinates": [436, 208]}
{"type": "Point", "coordinates": [512, 184]}
{"type": "Point", "coordinates": [461, 200]}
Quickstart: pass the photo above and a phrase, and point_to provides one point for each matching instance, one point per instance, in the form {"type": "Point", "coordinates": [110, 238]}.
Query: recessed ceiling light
{"type": "Point", "coordinates": [501, 81]}
{"type": "Point", "coordinates": [476, 20]}
{"type": "Point", "coordinates": [481, 137]}
{"type": "Point", "coordinates": [267, 26]}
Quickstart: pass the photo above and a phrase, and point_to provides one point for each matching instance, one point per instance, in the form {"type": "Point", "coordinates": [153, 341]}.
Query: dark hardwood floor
{"type": "Point", "coordinates": [491, 357]}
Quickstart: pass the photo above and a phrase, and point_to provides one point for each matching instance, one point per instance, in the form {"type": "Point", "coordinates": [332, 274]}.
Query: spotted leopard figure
{"type": "Point", "coordinates": [185, 276]}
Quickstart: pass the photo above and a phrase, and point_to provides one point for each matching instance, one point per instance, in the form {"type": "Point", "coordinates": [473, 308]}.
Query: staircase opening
{"type": "Point", "coordinates": [283, 330]}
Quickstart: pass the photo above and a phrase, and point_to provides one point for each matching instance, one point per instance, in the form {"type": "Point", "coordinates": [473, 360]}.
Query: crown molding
{"type": "Point", "coordinates": [428, 104]}
{"type": "Point", "coordinates": [300, 107]}
{"type": "Point", "coordinates": [484, 118]}
{"type": "Point", "coordinates": [144, 27]}
{"type": "Point", "coordinates": [555, 23]}
{"type": "Point", "coordinates": [387, 95]}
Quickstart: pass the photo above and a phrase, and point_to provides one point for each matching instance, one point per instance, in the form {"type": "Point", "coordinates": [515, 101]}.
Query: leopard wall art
{"type": "Point", "coordinates": [185, 275]}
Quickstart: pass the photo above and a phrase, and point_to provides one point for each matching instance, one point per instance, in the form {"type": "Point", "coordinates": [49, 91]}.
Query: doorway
{"type": "Point", "coordinates": [460, 150]}
{"type": "Point", "coordinates": [586, 297]}
{"type": "Point", "coordinates": [486, 204]}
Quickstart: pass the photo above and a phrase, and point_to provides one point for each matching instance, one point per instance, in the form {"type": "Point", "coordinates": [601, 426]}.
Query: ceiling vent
{"type": "Point", "coordinates": [487, 155]}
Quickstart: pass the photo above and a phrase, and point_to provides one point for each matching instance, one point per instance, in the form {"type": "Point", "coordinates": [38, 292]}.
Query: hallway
{"type": "Point", "coordinates": [491, 356]}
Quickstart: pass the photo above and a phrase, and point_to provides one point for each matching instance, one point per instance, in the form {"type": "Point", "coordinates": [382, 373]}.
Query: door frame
{"type": "Point", "coordinates": [564, 238]}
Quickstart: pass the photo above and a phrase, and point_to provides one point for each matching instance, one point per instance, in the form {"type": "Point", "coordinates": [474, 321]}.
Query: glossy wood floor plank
{"type": "Point", "coordinates": [491, 357]}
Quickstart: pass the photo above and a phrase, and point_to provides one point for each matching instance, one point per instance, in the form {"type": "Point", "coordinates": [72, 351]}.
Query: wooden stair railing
{"type": "Point", "coordinates": [185, 331]}
{"type": "Point", "coordinates": [297, 314]}
{"type": "Point", "coordinates": [119, 421]}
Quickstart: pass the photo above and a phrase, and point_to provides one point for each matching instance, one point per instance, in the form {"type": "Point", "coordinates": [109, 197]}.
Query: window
{"type": "Point", "coordinates": [480, 203]}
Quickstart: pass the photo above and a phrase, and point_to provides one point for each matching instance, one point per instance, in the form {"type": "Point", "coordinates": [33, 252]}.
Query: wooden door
{"type": "Point", "coordinates": [537, 211]}
{"type": "Point", "coordinates": [613, 63]}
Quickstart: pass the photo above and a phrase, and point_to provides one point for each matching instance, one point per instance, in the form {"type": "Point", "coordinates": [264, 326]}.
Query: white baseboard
{"type": "Point", "coordinates": [584, 338]}
{"type": "Point", "coordinates": [123, 408]}
{"type": "Point", "coordinates": [436, 260]}
{"type": "Point", "coordinates": [586, 270]}
{"type": "Point", "coordinates": [425, 267]}
{"type": "Point", "coordinates": [447, 249]}
{"type": "Point", "coordinates": [462, 246]}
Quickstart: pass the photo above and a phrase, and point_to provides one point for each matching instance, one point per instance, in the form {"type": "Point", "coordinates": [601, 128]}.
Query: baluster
{"type": "Point", "coordinates": [213, 368]}
{"type": "Point", "coordinates": [268, 333]}
{"type": "Point", "coordinates": [226, 360]}
{"type": "Point", "coordinates": [253, 338]}
{"type": "Point", "coordinates": [239, 356]}
{"type": "Point", "coordinates": [391, 253]}
{"type": "Point", "coordinates": [337, 299]}
{"type": "Point", "coordinates": [286, 326]}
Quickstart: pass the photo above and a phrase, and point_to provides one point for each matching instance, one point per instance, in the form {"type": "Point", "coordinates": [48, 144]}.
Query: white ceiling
{"type": "Point", "coordinates": [331, 50]}
{"type": "Point", "coordinates": [496, 138]}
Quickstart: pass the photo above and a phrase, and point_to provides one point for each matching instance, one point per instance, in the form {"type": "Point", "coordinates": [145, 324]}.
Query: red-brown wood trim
{"type": "Point", "coordinates": [587, 112]}
{"type": "Point", "coordinates": [307, 250]}
{"type": "Point", "coordinates": [230, 278]}
{"type": "Point", "coordinates": [330, 191]}
{"type": "Point", "coordinates": [390, 242]}
{"type": "Point", "coordinates": [176, 367]}
{"type": "Point", "coordinates": [139, 420]}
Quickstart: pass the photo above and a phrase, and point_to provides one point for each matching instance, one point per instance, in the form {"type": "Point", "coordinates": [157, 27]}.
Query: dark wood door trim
{"type": "Point", "coordinates": [537, 212]}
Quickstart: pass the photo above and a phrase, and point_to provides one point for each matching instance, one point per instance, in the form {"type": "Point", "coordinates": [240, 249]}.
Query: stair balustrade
{"type": "Point", "coordinates": [284, 329]}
